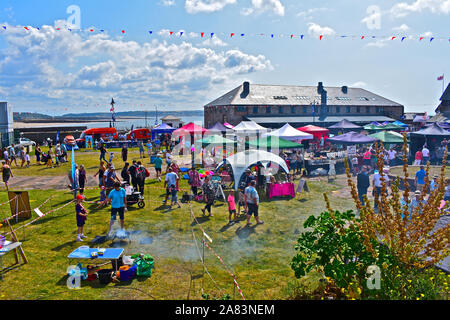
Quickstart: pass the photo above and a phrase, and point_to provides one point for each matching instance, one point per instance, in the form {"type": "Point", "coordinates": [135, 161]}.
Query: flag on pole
{"type": "Point", "coordinates": [441, 78]}
{"type": "Point", "coordinates": [74, 174]}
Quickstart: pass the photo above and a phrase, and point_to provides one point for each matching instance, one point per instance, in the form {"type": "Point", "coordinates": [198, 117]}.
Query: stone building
{"type": "Point", "coordinates": [272, 105]}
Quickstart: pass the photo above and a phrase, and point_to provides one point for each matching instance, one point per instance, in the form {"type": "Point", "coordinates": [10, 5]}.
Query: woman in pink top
{"type": "Point", "coordinates": [231, 207]}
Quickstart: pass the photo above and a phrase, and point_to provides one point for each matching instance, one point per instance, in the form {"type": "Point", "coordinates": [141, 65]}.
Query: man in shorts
{"type": "Point", "coordinates": [158, 165]}
{"type": "Point", "coordinates": [251, 199]}
{"type": "Point", "coordinates": [171, 188]}
{"type": "Point", "coordinates": [118, 199]}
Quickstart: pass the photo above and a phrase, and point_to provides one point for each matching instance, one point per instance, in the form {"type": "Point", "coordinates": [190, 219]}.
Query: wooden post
{"type": "Point", "coordinates": [14, 238]}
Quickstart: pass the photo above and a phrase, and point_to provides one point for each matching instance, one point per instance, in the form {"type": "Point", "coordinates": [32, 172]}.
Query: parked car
{"type": "Point", "coordinates": [25, 142]}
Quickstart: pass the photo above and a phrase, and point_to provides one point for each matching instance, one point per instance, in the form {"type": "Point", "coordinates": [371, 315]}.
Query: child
{"type": "Point", "coordinates": [241, 202]}
{"type": "Point", "coordinates": [27, 158]}
{"type": "Point", "coordinates": [81, 217]}
{"type": "Point", "coordinates": [111, 157]}
{"type": "Point", "coordinates": [231, 207]}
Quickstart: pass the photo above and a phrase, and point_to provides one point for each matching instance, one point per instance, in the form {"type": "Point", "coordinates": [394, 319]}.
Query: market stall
{"type": "Point", "coordinates": [161, 129]}
{"type": "Point", "coordinates": [344, 125]}
{"type": "Point", "coordinates": [241, 161]}
{"type": "Point", "coordinates": [388, 137]}
{"type": "Point", "coordinates": [319, 134]}
{"type": "Point", "coordinates": [288, 132]}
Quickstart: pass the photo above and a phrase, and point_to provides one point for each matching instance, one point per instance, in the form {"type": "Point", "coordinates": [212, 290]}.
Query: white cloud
{"type": "Point", "coordinates": [214, 42]}
{"type": "Point", "coordinates": [358, 84]}
{"type": "Point", "coordinates": [77, 68]}
{"type": "Point", "coordinates": [308, 13]}
{"type": "Point", "coordinates": [168, 3]}
{"type": "Point", "coordinates": [402, 28]}
{"type": "Point", "coordinates": [260, 6]}
{"type": "Point", "coordinates": [403, 9]}
{"type": "Point", "coordinates": [375, 16]}
{"type": "Point", "coordinates": [316, 30]}
{"type": "Point", "coordinates": [379, 43]}
{"type": "Point", "coordinates": [207, 6]}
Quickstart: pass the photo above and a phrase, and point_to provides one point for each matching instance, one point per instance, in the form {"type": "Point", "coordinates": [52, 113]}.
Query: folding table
{"type": "Point", "coordinates": [84, 253]}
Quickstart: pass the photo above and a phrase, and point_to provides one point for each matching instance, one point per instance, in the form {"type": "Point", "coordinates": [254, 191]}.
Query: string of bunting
{"type": "Point", "coordinates": [44, 215]}
{"type": "Point", "coordinates": [231, 35]}
{"type": "Point", "coordinates": [19, 213]}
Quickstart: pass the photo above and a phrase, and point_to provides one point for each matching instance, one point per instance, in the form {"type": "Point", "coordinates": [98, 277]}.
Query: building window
{"type": "Point", "coordinates": [255, 110]}
{"type": "Point", "coordinates": [240, 109]}
{"type": "Point", "coordinates": [328, 109]}
{"type": "Point", "coordinates": [268, 110]}
{"type": "Point", "coordinates": [292, 109]}
{"type": "Point", "coordinates": [305, 109]}
{"type": "Point", "coordinates": [358, 109]}
{"type": "Point", "coordinates": [280, 109]}
{"type": "Point", "coordinates": [338, 109]}
{"type": "Point", "coordinates": [377, 109]}
{"type": "Point", "coordinates": [348, 109]}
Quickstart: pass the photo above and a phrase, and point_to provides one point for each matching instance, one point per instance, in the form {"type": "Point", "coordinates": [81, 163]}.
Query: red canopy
{"type": "Point", "coordinates": [191, 128]}
{"type": "Point", "coordinates": [317, 132]}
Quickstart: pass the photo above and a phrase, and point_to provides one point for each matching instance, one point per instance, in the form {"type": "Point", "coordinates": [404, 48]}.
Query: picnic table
{"type": "Point", "coordinates": [85, 253]}
{"type": "Point", "coordinates": [8, 247]}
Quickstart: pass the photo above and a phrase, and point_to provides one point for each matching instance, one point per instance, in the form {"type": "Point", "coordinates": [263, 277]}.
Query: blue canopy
{"type": "Point", "coordinates": [162, 128]}
{"type": "Point", "coordinates": [400, 124]}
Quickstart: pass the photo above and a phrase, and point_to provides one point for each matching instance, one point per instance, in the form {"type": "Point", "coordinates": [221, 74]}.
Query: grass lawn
{"type": "Point", "coordinates": [259, 256]}
{"type": "Point", "coordinates": [413, 169]}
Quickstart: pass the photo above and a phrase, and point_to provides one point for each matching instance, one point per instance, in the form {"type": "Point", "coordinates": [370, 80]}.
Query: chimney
{"type": "Point", "coordinates": [320, 88]}
{"type": "Point", "coordinates": [246, 90]}
{"type": "Point", "coordinates": [344, 89]}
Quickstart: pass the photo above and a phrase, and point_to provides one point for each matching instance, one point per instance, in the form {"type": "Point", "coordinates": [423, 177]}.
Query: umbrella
{"type": "Point", "coordinates": [433, 130]}
{"type": "Point", "coordinates": [352, 138]}
{"type": "Point", "coordinates": [344, 124]}
{"type": "Point", "coordinates": [400, 124]}
{"type": "Point", "coordinates": [271, 142]}
{"type": "Point", "coordinates": [388, 137]}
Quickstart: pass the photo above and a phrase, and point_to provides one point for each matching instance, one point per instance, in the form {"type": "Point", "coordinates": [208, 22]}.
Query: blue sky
{"type": "Point", "coordinates": [57, 72]}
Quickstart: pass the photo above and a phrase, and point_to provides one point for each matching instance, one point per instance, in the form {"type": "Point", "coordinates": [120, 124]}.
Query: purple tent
{"type": "Point", "coordinates": [352, 138]}
{"type": "Point", "coordinates": [345, 124]}
{"type": "Point", "coordinates": [218, 127]}
{"type": "Point", "coordinates": [433, 130]}
{"type": "Point", "coordinates": [376, 123]}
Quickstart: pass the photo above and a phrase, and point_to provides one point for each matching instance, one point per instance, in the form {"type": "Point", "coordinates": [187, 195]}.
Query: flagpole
{"type": "Point", "coordinates": [443, 82]}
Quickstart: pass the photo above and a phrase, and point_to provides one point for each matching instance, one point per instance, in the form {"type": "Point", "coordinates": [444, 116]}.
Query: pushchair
{"type": "Point", "coordinates": [134, 197]}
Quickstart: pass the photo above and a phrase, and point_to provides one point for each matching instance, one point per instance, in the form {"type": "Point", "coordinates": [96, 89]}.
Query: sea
{"type": "Point", "coordinates": [125, 124]}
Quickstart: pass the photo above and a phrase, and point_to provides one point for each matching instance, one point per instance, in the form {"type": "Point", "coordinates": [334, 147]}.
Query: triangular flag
{"type": "Point", "coordinates": [92, 30]}
{"type": "Point", "coordinates": [123, 31]}
{"type": "Point", "coordinates": [232, 35]}
{"type": "Point", "coordinates": [362, 37]}
{"type": "Point", "coordinates": [292, 36]}
{"type": "Point", "coordinates": [26, 28]}
{"type": "Point", "coordinates": [171, 32]}
{"type": "Point", "coordinates": [202, 34]}
{"type": "Point", "coordinates": [403, 38]}
{"type": "Point", "coordinates": [102, 30]}
{"type": "Point", "coordinates": [321, 37]}
{"type": "Point", "coordinates": [181, 33]}
{"type": "Point", "coordinates": [212, 34]}
{"type": "Point", "coordinates": [431, 39]}
{"type": "Point", "coordinates": [301, 37]}
{"type": "Point", "coordinates": [420, 38]}
{"type": "Point", "coordinates": [242, 34]}
{"type": "Point", "coordinates": [150, 32]}
{"type": "Point", "coordinates": [4, 27]}
{"type": "Point", "coordinates": [393, 38]}
{"type": "Point", "coordinates": [58, 28]}
{"type": "Point", "coordinates": [271, 35]}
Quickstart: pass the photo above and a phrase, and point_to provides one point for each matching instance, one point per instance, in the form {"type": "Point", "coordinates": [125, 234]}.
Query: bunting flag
{"type": "Point", "coordinates": [440, 78]}
{"type": "Point", "coordinates": [6, 28]}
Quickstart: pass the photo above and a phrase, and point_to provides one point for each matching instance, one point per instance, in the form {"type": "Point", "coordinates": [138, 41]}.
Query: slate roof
{"type": "Point", "coordinates": [446, 95]}
{"type": "Point", "coordinates": [309, 119]}
{"type": "Point", "coordinates": [300, 95]}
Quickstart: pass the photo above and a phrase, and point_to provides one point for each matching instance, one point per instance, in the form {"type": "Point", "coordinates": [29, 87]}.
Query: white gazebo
{"type": "Point", "coordinates": [290, 133]}
{"type": "Point", "coordinates": [249, 126]}
{"type": "Point", "coordinates": [243, 160]}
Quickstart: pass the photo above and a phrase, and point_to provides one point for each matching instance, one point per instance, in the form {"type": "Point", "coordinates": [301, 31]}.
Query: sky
{"type": "Point", "coordinates": [65, 71]}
